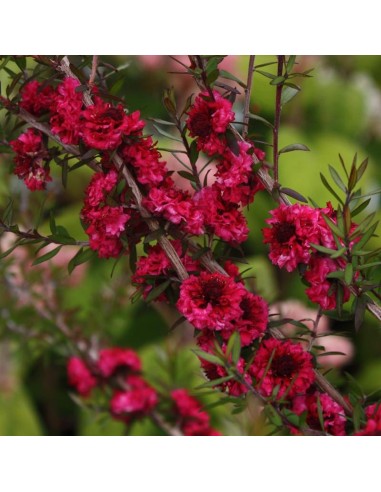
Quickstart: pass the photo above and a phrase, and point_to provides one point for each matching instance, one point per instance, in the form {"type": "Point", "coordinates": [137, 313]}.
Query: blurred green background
{"type": "Point", "coordinates": [337, 111]}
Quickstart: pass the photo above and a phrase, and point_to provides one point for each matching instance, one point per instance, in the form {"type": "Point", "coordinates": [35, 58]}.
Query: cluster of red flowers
{"type": "Point", "coordinates": [119, 369]}
{"type": "Point", "coordinates": [294, 229]}
{"type": "Point", "coordinates": [191, 419]}
{"type": "Point", "coordinates": [101, 126]}
{"type": "Point", "coordinates": [132, 397]}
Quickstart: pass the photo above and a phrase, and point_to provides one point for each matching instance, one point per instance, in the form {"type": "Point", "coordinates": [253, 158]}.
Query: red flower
{"type": "Point", "coordinates": [322, 289]}
{"type": "Point", "coordinates": [66, 114]}
{"type": "Point", "coordinates": [99, 186]}
{"type": "Point", "coordinates": [252, 323]}
{"type": "Point", "coordinates": [36, 98]}
{"type": "Point", "coordinates": [290, 368]}
{"type": "Point", "coordinates": [145, 159]}
{"type": "Point", "coordinates": [31, 159]}
{"type": "Point", "coordinates": [373, 423]}
{"type": "Point", "coordinates": [106, 225]}
{"type": "Point", "coordinates": [208, 119]}
{"type": "Point", "coordinates": [211, 300]}
{"type": "Point", "coordinates": [138, 400]}
{"type": "Point", "coordinates": [176, 206]}
{"type": "Point", "coordinates": [104, 125]}
{"type": "Point", "coordinates": [80, 376]}
{"type": "Point", "coordinates": [193, 421]}
{"type": "Point", "coordinates": [156, 264]}
{"type": "Point", "coordinates": [112, 359]}
{"type": "Point", "coordinates": [222, 218]}
{"type": "Point", "coordinates": [236, 181]}
{"type": "Point", "coordinates": [294, 228]}
{"type": "Point", "coordinates": [332, 413]}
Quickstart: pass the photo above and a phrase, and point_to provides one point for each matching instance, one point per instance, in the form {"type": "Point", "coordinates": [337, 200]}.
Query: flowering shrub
{"type": "Point", "coordinates": [183, 238]}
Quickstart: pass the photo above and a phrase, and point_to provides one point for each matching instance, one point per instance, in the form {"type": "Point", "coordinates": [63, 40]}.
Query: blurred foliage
{"type": "Point", "coordinates": [337, 111]}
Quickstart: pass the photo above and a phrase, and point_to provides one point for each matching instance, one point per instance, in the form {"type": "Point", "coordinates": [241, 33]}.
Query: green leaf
{"type": "Point", "coordinates": [358, 246]}
{"type": "Point", "coordinates": [266, 74]}
{"type": "Point", "coordinates": [292, 417]}
{"type": "Point", "coordinates": [235, 341]}
{"type": "Point", "coordinates": [8, 251]}
{"type": "Point", "coordinates": [288, 93]}
{"type": "Point", "coordinates": [212, 77]}
{"type": "Point", "coordinates": [334, 228]}
{"type": "Point", "coordinates": [374, 192]}
{"type": "Point", "coordinates": [163, 122]}
{"type": "Point", "coordinates": [61, 239]}
{"type": "Point", "coordinates": [337, 179]}
{"type": "Point", "coordinates": [338, 253]}
{"type": "Point", "coordinates": [290, 63]}
{"type": "Point", "coordinates": [369, 265]}
{"type": "Point", "coordinates": [80, 257]}
{"type": "Point", "coordinates": [323, 249]}
{"type": "Point", "coordinates": [157, 291]}
{"type": "Point", "coordinates": [208, 357]}
{"type": "Point", "coordinates": [166, 134]}
{"type": "Point", "coordinates": [278, 80]}
{"type": "Point", "coordinates": [186, 175]}
{"type": "Point", "coordinates": [362, 168]}
{"type": "Point", "coordinates": [360, 208]}
{"type": "Point", "coordinates": [52, 223]}
{"type": "Point", "coordinates": [348, 274]}
{"type": "Point", "coordinates": [227, 75]}
{"type": "Point", "coordinates": [215, 382]}
{"type": "Point", "coordinates": [193, 155]}
{"type": "Point", "coordinates": [293, 147]}
{"type": "Point", "coordinates": [259, 118]}
{"type": "Point", "coordinates": [294, 194]}
{"type": "Point", "coordinates": [47, 256]}
{"type": "Point", "coordinates": [330, 189]}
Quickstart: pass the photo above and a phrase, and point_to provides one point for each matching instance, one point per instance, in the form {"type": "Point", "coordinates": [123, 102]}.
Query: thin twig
{"type": "Point", "coordinates": [278, 108]}
{"type": "Point", "coordinates": [248, 89]}
{"type": "Point", "coordinates": [315, 328]}
{"type": "Point", "coordinates": [34, 235]}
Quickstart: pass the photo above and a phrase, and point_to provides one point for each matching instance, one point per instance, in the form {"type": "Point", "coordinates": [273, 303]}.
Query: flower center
{"type": "Point", "coordinates": [283, 366]}
{"type": "Point", "coordinates": [284, 232]}
{"type": "Point", "coordinates": [212, 290]}
{"type": "Point", "coordinates": [200, 125]}
{"type": "Point", "coordinates": [246, 308]}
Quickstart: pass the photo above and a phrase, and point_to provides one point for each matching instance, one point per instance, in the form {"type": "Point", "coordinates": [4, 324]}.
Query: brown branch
{"type": "Point", "coordinates": [93, 74]}
{"type": "Point", "coordinates": [248, 89]}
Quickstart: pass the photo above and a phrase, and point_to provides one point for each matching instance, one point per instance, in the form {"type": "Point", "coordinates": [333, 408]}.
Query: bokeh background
{"type": "Point", "coordinates": [337, 111]}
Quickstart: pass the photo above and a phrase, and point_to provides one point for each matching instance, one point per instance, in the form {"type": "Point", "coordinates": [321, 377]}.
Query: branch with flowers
{"type": "Point", "coordinates": [190, 226]}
